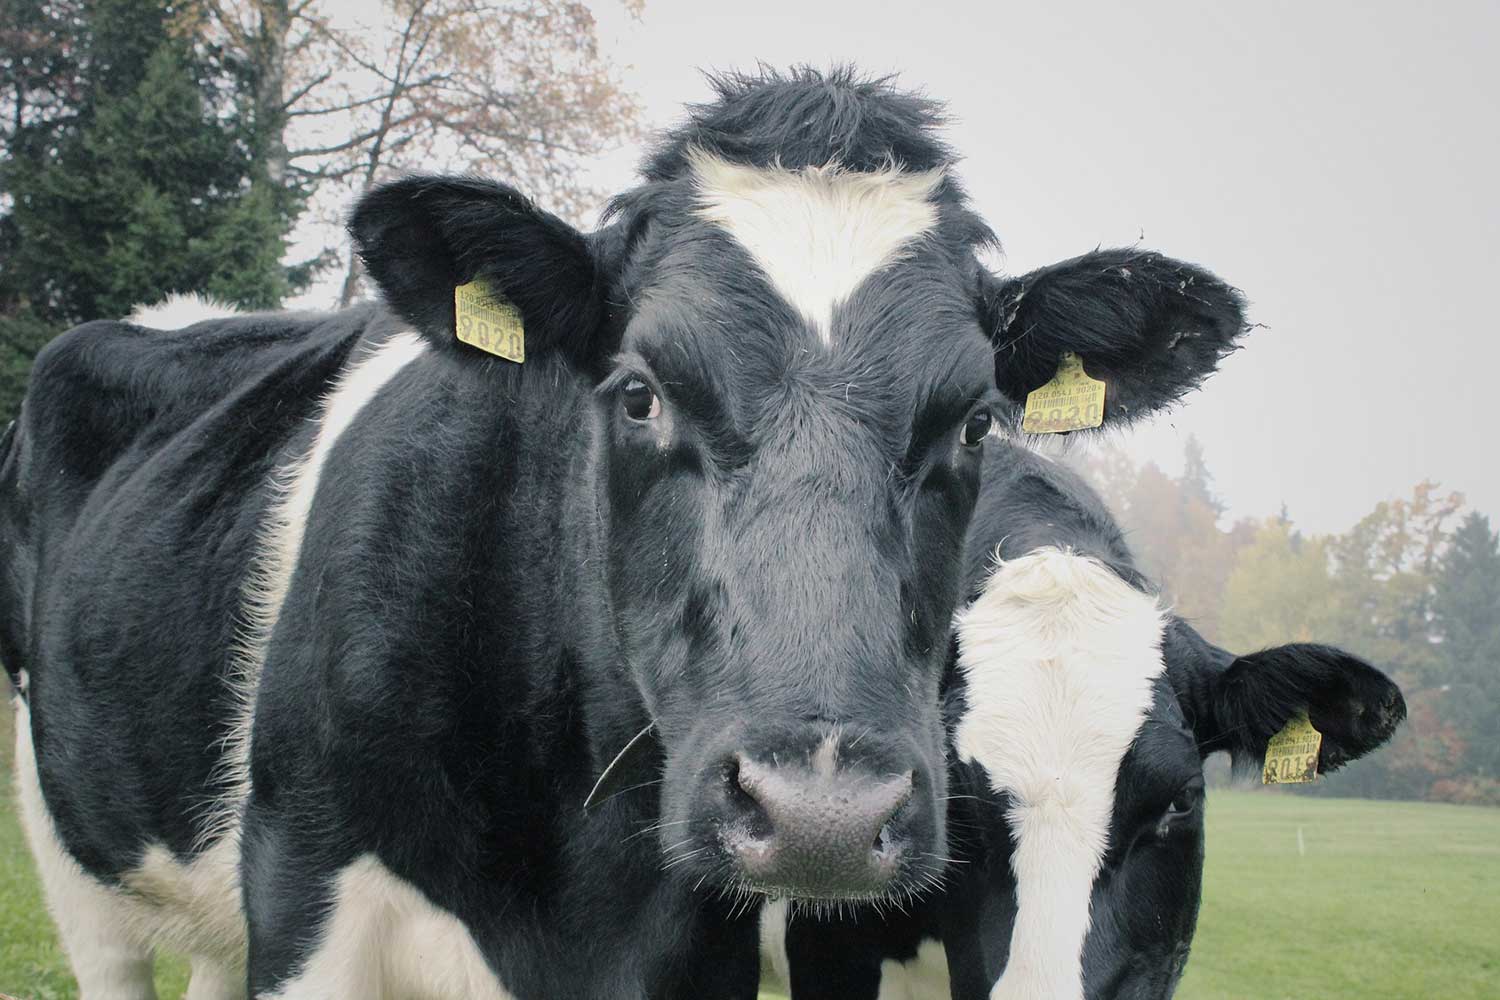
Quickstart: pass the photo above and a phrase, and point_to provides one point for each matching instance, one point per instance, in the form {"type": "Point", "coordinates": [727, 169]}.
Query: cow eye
{"type": "Point", "coordinates": [976, 427]}
{"type": "Point", "coordinates": [638, 401]}
{"type": "Point", "coordinates": [1184, 804]}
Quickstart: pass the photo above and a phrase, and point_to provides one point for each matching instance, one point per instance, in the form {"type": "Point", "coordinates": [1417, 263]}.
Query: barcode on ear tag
{"type": "Point", "coordinates": [485, 320]}
{"type": "Point", "coordinates": [1070, 402]}
{"type": "Point", "coordinates": [1292, 754]}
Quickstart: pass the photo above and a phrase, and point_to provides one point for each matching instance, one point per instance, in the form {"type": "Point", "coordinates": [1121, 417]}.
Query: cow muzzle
{"type": "Point", "coordinates": [830, 821]}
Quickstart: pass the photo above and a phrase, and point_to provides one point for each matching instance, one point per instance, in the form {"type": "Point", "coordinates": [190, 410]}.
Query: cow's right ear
{"type": "Point", "coordinates": [421, 237]}
{"type": "Point", "coordinates": [1150, 327]}
{"type": "Point", "coordinates": [1237, 703]}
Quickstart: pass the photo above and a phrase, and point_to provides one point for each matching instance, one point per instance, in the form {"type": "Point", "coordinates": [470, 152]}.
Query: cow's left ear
{"type": "Point", "coordinates": [421, 237]}
{"type": "Point", "coordinates": [1353, 705]}
{"type": "Point", "coordinates": [1150, 327]}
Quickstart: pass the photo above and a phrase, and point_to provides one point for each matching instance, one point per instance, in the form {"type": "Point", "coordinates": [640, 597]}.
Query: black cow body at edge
{"type": "Point", "coordinates": [1037, 518]}
{"type": "Point", "coordinates": [340, 618]}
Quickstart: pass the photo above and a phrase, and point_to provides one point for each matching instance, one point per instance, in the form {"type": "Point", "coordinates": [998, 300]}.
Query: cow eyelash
{"type": "Point", "coordinates": [627, 366]}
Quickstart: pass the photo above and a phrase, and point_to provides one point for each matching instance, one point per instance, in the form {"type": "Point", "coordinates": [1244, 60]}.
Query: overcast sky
{"type": "Point", "coordinates": [1336, 161]}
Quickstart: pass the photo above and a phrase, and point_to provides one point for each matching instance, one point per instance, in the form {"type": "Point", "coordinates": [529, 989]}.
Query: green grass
{"type": "Point", "coordinates": [1386, 901]}
{"type": "Point", "coordinates": [1390, 901]}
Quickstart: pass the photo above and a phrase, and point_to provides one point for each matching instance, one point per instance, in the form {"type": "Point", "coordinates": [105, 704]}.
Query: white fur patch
{"type": "Point", "coordinates": [1059, 655]}
{"type": "Point", "coordinates": [281, 541]}
{"type": "Point", "coordinates": [179, 310]}
{"type": "Point", "coordinates": [820, 232]}
{"type": "Point", "coordinates": [773, 918]}
{"type": "Point", "coordinates": [109, 933]}
{"type": "Point", "coordinates": [197, 905]}
{"type": "Point", "coordinates": [923, 978]}
{"type": "Point", "coordinates": [383, 939]}
{"type": "Point", "coordinates": [107, 945]}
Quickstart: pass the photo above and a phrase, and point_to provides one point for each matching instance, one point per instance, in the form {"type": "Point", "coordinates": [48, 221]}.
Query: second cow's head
{"type": "Point", "coordinates": [794, 356]}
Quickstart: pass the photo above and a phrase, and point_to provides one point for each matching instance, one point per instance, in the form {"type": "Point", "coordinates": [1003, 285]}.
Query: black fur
{"type": "Point", "coordinates": [806, 118]}
{"type": "Point", "coordinates": [422, 236]}
{"type": "Point", "coordinates": [1352, 704]}
{"type": "Point", "coordinates": [504, 577]}
{"type": "Point", "coordinates": [1149, 326]}
{"type": "Point", "coordinates": [1145, 902]}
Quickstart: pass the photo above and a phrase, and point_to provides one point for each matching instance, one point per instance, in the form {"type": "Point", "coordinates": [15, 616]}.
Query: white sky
{"type": "Point", "coordinates": [1337, 161]}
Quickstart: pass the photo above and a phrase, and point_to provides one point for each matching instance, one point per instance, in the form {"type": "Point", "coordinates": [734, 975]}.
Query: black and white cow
{"type": "Point", "coordinates": [324, 626]}
{"type": "Point", "coordinates": [1080, 712]}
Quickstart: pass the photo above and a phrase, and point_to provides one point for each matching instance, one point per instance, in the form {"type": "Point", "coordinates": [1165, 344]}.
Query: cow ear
{"type": "Point", "coordinates": [421, 237]}
{"type": "Point", "coordinates": [1353, 705]}
{"type": "Point", "coordinates": [1150, 327]}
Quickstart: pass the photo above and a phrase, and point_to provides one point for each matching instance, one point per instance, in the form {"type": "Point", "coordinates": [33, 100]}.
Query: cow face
{"type": "Point", "coordinates": [793, 458]}
{"type": "Point", "coordinates": [1087, 714]}
{"type": "Point", "coordinates": [791, 355]}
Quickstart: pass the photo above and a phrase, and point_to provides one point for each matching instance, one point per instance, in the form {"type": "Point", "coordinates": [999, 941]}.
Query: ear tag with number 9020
{"type": "Point", "coordinates": [1292, 754]}
{"type": "Point", "coordinates": [487, 321]}
{"type": "Point", "coordinates": [1070, 402]}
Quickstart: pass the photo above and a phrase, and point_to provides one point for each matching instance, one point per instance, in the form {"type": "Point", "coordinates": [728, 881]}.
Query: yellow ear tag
{"type": "Point", "coordinates": [1070, 402]}
{"type": "Point", "coordinates": [487, 321]}
{"type": "Point", "coordinates": [1292, 754]}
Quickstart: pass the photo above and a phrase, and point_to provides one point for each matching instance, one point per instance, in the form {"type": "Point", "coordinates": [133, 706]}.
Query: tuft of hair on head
{"type": "Point", "coordinates": [180, 309]}
{"type": "Point", "coordinates": [806, 117]}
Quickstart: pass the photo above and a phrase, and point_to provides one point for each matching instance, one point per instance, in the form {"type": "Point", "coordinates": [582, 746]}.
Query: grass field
{"type": "Point", "coordinates": [1381, 901]}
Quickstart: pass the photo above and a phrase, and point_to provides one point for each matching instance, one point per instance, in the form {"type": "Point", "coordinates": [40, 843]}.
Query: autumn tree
{"type": "Point", "coordinates": [518, 90]}
{"type": "Point", "coordinates": [1172, 524]}
{"type": "Point", "coordinates": [1385, 569]}
{"type": "Point", "coordinates": [1280, 590]}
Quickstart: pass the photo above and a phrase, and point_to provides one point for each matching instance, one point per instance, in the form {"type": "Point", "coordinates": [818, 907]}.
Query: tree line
{"type": "Point", "coordinates": [1413, 587]}
{"type": "Point", "coordinates": [151, 147]}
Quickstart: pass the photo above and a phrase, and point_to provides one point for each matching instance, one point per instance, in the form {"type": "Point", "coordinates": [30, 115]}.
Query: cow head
{"type": "Point", "coordinates": [790, 355]}
{"type": "Point", "coordinates": [1087, 712]}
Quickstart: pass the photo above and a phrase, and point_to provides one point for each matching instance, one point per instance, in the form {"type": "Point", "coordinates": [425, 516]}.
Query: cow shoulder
{"type": "Point", "coordinates": [96, 389]}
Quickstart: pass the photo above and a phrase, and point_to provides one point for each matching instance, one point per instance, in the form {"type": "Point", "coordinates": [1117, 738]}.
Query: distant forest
{"type": "Point", "coordinates": [1414, 587]}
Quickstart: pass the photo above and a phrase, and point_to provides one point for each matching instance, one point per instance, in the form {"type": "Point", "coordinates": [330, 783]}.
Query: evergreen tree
{"type": "Point", "coordinates": [147, 190]}
{"type": "Point", "coordinates": [1196, 481]}
{"type": "Point", "coordinates": [141, 179]}
{"type": "Point", "coordinates": [1466, 613]}
{"type": "Point", "coordinates": [1466, 604]}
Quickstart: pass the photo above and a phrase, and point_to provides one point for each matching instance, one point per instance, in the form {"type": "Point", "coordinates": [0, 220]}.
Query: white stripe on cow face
{"type": "Point", "coordinates": [281, 541]}
{"type": "Point", "coordinates": [817, 233]}
{"type": "Point", "coordinates": [1059, 655]}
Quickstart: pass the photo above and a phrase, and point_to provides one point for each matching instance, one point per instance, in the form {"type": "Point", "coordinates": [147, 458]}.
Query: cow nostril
{"type": "Point", "coordinates": [742, 788]}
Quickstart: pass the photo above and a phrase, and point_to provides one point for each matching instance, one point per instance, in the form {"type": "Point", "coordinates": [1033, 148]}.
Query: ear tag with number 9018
{"type": "Point", "coordinates": [487, 321]}
{"type": "Point", "coordinates": [1292, 754]}
{"type": "Point", "coordinates": [1070, 402]}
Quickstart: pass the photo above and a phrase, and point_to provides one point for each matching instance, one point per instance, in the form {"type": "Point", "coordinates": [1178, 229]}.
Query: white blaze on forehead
{"type": "Point", "coordinates": [1059, 655]}
{"type": "Point", "coordinates": [817, 233]}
